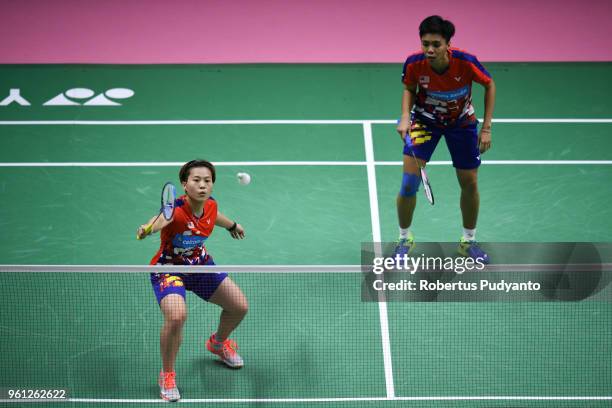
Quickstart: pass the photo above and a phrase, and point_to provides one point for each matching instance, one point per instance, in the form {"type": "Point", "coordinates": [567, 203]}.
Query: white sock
{"type": "Point", "coordinates": [469, 234]}
{"type": "Point", "coordinates": [404, 233]}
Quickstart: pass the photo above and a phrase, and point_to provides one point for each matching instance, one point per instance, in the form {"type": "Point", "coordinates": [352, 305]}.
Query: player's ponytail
{"type": "Point", "coordinates": [437, 25]}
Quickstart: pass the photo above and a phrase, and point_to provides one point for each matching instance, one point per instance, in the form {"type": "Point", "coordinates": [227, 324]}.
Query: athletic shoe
{"type": "Point", "coordinates": [226, 351]}
{"type": "Point", "coordinates": [167, 386]}
{"type": "Point", "coordinates": [470, 249]}
{"type": "Point", "coordinates": [404, 246]}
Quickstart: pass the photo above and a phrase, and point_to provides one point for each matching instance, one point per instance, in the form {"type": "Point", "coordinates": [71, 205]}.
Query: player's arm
{"type": "Point", "coordinates": [235, 229]}
{"type": "Point", "coordinates": [408, 99]}
{"type": "Point", "coordinates": [158, 224]}
{"type": "Point", "coordinates": [484, 136]}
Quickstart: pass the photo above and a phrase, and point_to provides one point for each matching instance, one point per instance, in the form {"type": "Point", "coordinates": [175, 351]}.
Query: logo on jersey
{"type": "Point", "coordinates": [186, 241]}
{"type": "Point", "coordinates": [450, 95]}
{"type": "Point", "coordinates": [423, 79]}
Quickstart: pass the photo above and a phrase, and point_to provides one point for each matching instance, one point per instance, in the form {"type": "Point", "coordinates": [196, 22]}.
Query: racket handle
{"type": "Point", "coordinates": [147, 231]}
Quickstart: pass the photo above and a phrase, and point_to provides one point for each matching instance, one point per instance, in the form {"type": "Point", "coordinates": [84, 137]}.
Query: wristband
{"type": "Point", "coordinates": [233, 227]}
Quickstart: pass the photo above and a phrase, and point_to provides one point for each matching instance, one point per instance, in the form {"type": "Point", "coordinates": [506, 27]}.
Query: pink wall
{"type": "Point", "coordinates": [237, 31]}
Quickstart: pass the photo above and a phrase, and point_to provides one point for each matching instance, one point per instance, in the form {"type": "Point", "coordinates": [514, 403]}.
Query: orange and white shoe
{"type": "Point", "coordinates": [167, 386]}
{"type": "Point", "coordinates": [226, 351]}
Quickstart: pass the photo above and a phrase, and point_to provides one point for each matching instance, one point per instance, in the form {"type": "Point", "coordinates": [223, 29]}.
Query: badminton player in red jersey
{"type": "Point", "coordinates": [182, 243]}
{"type": "Point", "coordinates": [436, 102]}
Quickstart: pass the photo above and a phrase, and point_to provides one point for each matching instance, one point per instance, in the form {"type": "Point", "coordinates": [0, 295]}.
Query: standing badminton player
{"type": "Point", "coordinates": [436, 102]}
{"type": "Point", "coordinates": [182, 243]}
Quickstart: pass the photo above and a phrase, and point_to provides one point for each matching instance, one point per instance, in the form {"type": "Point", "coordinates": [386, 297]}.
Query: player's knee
{"type": "Point", "coordinates": [241, 308]}
{"type": "Point", "coordinates": [237, 307]}
{"type": "Point", "coordinates": [410, 185]}
{"type": "Point", "coordinates": [244, 308]}
{"type": "Point", "coordinates": [176, 319]}
{"type": "Point", "coordinates": [174, 310]}
{"type": "Point", "coordinates": [469, 184]}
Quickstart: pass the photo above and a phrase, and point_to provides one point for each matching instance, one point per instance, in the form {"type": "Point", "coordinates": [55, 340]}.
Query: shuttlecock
{"type": "Point", "coordinates": [244, 178]}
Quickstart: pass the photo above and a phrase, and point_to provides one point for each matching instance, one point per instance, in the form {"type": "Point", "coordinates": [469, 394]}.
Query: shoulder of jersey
{"type": "Point", "coordinates": [463, 55]}
{"type": "Point", "coordinates": [415, 57]}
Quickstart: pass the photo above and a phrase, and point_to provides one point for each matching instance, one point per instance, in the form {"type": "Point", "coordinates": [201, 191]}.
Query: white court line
{"type": "Point", "coordinates": [275, 122]}
{"type": "Point", "coordinates": [299, 163]}
{"type": "Point", "coordinates": [376, 237]}
{"type": "Point", "coordinates": [510, 162]}
{"type": "Point", "coordinates": [318, 400]}
{"type": "Point", "coordinates": [175, 164]}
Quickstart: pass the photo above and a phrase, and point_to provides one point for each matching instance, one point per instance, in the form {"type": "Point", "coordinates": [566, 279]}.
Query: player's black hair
{"type": "Point", "coordinates": [437, 25]}
{"type": "Point", "coordinates": [184, 172]}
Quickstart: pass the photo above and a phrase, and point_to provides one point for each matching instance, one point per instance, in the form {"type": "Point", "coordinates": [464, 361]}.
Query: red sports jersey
{"type": "Point", "coordinates": [445, 99]}
{"type": "Point", "coordinates": [182, 241]}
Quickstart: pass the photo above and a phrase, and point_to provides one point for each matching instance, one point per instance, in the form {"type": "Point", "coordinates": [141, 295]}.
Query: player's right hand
{"type": "Point", "coordinates": [402, 128]}
{"type": "Point", "coordinates": [141, 232]}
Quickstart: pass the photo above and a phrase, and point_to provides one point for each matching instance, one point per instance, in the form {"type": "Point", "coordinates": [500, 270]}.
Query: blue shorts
{"type": "Point", "coordinates": [462, 143]}
{"type": "Point", "coordinates": [202, 284]}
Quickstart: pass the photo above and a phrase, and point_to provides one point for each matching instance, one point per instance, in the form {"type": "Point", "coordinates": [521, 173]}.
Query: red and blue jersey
{"type": "Point", "coordinates": [182, 241]}
{"type": "Point", "coordinates": [445, 99]}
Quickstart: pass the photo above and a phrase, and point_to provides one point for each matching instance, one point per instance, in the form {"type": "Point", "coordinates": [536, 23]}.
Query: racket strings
{"type": "Point", "coordinates": [168, 200]}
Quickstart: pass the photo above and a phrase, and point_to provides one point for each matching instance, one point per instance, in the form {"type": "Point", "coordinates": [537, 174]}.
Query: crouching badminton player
{"type": "Point", "coordinates": [182, 243]}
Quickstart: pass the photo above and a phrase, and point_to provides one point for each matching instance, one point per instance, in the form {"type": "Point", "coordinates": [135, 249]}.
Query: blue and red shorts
{"type": "Point", "coordinates": [202, 284]}
{"type": "Point", "coordinates": [462, 143]}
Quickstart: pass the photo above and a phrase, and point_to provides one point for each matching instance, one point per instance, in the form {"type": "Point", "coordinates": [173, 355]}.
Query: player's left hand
{"type": "Point", "coordinates": [238, 232]}
{"type": "Point", "coordinates": [484, 139]}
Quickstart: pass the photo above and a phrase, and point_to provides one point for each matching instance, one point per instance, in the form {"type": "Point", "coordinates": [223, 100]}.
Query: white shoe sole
{"type": "Point", "coordinates": [168, 399]}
